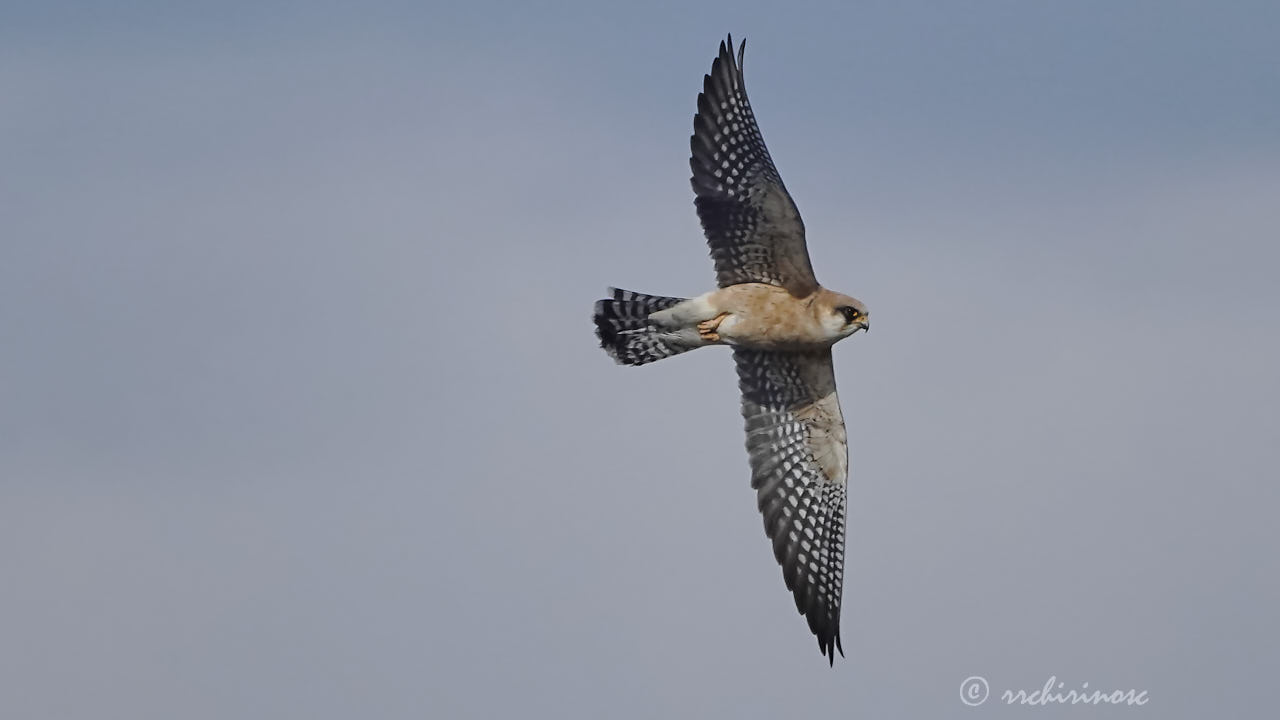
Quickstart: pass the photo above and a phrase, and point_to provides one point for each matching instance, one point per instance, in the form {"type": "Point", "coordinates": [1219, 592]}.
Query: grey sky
{"type": "Point", "coordinates": [301, 414]}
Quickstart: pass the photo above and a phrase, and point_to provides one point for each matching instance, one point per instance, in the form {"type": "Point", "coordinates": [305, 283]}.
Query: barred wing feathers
{"type": "Point", "coordinates": [751, 223]}
{"type": "Point", "coordinates": [799, 463]}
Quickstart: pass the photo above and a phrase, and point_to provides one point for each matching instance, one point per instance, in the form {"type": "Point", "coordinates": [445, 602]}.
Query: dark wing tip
{"type": "Point", "coordinates": [828, 637]}
{"type": "Point", "coordinates": [832, 645]}
{"type": "Point", "coordinates": [727, 44]}
{"type": "Point", "coordinates": [727, 52]}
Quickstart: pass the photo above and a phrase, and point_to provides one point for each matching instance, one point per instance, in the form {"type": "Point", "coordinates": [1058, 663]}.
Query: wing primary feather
{"type": "Point", "coordinates": [788, 406]}
{"type": "Point", "coordinates": [752, 226]}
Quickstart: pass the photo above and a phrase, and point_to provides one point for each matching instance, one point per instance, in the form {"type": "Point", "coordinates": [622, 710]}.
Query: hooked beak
{"type": "Point", "coordinates": [865, 325]}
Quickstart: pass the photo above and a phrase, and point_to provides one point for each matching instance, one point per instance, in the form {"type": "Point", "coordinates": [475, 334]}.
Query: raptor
{"type": "Point", "coordinates": [780, 324]}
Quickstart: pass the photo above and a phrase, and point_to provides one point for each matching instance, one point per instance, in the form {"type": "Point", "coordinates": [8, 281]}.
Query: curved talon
{"type": "Point", "coordinates": [707, 329]}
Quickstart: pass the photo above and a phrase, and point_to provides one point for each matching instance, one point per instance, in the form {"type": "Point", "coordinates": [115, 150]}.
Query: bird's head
{"type": "Point", "coordinates": [841, 315]}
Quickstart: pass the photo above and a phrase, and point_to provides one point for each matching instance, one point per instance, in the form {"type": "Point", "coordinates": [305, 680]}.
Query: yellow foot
{"type": "Point", "coordinates": [707, 330]}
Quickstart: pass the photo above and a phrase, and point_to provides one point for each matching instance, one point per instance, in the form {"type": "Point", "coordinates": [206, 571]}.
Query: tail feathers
{"type": "Point", "coordinates": [622, 324]}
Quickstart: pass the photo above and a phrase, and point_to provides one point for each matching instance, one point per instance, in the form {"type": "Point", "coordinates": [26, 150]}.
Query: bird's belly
{"type": "Point", "coordinates": [769, 332]}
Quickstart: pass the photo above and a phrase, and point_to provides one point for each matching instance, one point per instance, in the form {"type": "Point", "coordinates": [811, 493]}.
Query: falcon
{"type": "Point", "coordinates": [780, 323]}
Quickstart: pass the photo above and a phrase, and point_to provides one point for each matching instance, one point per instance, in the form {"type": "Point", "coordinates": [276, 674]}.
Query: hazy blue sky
{"type": "Point", "coordinates": [301, 414]}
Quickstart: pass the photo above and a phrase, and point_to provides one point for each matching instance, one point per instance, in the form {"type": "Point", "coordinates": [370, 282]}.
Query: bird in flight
{"type": "Point", "coordinates": [780, 323]}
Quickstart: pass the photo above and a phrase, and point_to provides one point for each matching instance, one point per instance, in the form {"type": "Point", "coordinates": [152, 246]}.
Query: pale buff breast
{"type": "Point", "coordinates": [767, 317]}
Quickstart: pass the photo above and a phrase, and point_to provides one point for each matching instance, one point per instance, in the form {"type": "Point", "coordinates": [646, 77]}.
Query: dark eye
{"type": "Point", "coordinates": [848, 312]}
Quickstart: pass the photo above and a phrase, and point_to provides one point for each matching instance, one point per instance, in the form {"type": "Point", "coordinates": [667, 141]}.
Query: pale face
{"type": "Point", "coordinates": [842, 316]}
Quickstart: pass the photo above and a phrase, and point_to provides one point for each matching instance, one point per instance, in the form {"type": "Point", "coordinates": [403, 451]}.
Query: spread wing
{"type": "Point", "coordinates": [799, 463]}
{"type": "Point", "coordinates": [751, 223]}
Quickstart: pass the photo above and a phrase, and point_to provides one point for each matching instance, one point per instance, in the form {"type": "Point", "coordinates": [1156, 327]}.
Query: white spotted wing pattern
{"type": "Point", "coordinates": [799, 466]}
{"type": "Point", "coordinates": [751, 223]}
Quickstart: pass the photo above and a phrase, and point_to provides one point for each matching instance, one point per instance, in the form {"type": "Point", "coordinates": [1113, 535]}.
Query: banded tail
{"type": "Point", "coordinates": [626, 333]}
